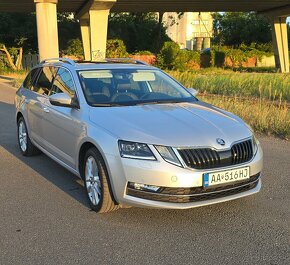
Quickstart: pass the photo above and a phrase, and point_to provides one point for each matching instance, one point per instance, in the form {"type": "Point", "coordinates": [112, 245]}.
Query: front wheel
{"type": "Point", "coordinates": [96, 182]}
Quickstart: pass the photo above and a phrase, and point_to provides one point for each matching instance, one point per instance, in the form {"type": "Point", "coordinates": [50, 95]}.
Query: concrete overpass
{"type": "Point", "coordinates": [93, 16]}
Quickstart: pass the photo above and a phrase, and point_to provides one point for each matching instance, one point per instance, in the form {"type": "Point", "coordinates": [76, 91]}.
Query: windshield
{"type": "Point", "coordinates": [131, 87]}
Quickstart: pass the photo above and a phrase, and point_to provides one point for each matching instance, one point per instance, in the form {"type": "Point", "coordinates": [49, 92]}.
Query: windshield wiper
{"type": "Point", "coordinates": [106, 105]}
{"type": "Point", "coordinates": [159, 102]}
{"type": "Point", "coordinates": [112, 104]}
{"type": "Point", "coordinates": [126, 104]}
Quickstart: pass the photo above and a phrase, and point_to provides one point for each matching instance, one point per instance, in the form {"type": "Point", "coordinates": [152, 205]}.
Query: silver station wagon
{"type": "Point", "coordinates": [135, 135]}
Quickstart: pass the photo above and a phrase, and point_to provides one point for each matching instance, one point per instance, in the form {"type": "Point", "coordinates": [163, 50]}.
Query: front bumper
{"type": "Point", "coordinates": [135, 201]}
{"type": "Point", "coordinates": [182, 188]}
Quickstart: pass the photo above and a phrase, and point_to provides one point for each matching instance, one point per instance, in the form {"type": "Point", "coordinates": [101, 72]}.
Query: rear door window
{"type": "Point", "coordinates": [29, 80]}
{"type": "Point", "coordinates": [44, 81]}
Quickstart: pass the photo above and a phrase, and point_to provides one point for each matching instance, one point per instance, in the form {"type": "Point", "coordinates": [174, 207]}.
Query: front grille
{"type": "Point", "coordinates": [206, 158]}
{"type": "Point", "coordinates": [184, 195]}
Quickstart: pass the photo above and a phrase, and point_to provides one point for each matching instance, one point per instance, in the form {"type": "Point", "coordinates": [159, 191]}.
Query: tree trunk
{"type": "Point", "coordinates": [19, 59]}
{"type": "Point", "coordinates": [158, 43]}
{"type": "Point", "coordinates": [9, 59]}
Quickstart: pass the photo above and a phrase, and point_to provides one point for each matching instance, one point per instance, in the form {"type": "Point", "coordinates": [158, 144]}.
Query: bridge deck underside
{"type": "Point", "coordinates": [155, 5]}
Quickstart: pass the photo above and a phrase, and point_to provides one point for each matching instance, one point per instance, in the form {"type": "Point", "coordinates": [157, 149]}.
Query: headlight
{"type": "Point", "coordinates": [168, 155]}
{"type": "Point", "coordinates": [255, 141]}
{"type": "Point", "coordinates": [135, 150]}
{"type": "Point", "coordinates": [255, 144]}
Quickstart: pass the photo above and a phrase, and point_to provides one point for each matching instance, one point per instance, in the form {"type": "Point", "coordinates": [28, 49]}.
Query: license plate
{"type": "Point", "coordinates": [227, 176]}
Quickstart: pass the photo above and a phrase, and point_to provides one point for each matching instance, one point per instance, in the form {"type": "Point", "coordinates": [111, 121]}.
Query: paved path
{"type": "Point", "coordinates": [45, 219]}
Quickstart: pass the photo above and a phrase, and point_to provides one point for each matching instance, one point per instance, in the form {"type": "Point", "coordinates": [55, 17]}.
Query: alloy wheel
{"type": "Point", "coordinates": [93, 183]}
{"type": "Point", "coordinates": [22, 136]}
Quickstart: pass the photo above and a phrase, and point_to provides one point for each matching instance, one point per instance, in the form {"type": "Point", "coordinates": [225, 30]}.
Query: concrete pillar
{"type": "Point", "coordinates": [206, 43]}
{"type": "Point", "coordinates": [280, 43]}
{"type": "Point", "coordinates": [94, 26]}
{"type": "Point", "coordinates": [199, 41]}
{"type": "Point", "coordinates": [85, 31]}
{"type": "Point", "coordinates": [98, 33]}
{"type": "Point", "coordinates": [46, 18]}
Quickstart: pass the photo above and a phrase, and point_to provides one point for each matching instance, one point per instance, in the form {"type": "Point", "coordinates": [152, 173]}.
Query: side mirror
{"type": "Point", "coordinates": [62, 100]}
{"type": "Point", "coordinates": [192, 91]}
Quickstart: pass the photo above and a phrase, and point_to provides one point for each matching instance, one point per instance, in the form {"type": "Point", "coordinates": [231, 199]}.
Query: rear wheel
{"type": "Point", "coordinates": [26, 146]}
{"type": "Point", "coordinates": [96, 182]}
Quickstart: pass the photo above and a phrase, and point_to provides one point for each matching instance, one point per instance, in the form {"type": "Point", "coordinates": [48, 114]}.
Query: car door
{"type": "Point", "coordinates": [61, 125]}
{"type": "Point", "coordinates": [37, 102]}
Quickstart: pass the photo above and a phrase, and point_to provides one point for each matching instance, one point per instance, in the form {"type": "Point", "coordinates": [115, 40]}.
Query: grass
{"type": "Point", "coordinates": [263, 116]}
{"type": "Point", "coordinates": [270, 86]}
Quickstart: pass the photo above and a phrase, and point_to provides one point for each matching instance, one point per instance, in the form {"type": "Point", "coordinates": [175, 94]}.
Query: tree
{"type": "Point", "coordinates": [18, 30]}
{"type": "Point", "coordinates": [68, 30]}
{"type": "Point", "coordinates": [235, 28]}
{"type": "Point", "coordinates": [139, 31]}
{"type": "Point", "coordinates": [116, 49]}
{"type": "Point", "coordinates": [13, 57]}
{"type": "Point", "coordinates": [75, 48]}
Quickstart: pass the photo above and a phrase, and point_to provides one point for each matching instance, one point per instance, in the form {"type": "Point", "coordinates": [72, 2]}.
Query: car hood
{"type": "Point", "coordinates": [178, 125]}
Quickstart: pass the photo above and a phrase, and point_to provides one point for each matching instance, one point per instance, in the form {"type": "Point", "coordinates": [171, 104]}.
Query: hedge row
{"type": "Point", "coordinates": [171, 57]}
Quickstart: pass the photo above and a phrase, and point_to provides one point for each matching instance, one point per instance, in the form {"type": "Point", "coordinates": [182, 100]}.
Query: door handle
{"type": "Point", "coordinates": [46, 110]}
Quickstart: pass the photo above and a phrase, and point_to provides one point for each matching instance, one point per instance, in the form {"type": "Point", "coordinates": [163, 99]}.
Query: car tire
{"type": "Point", "coordinates": [26, 146]}
{"type": "Point", "coordinates": [95, 176]}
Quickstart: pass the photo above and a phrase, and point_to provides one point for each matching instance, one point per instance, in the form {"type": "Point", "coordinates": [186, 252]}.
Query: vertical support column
{"type": "Point", "coordinates": [206, 43]}
{"type": "Point", "coordinates": [98, 33]}
{"type": "Point", "coordinates": [85, 31]}
{"type": "Point", "coordinates": [94, 26]}
{"type": "Point", "coordinates": [280, 43]}
{"type": "Point", "coordinates": [199, 41]}
{"type": "Point", "coordinates": [47, 33]}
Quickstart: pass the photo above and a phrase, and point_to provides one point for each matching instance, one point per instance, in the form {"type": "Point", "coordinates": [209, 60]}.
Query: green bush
{"type": "Point", "coordinates": [143, 53]}
{"type": "Point", "coordinates": [265, 47]}
{"type": "Point", "coordinates": [75, 48]}
{"type": "Point", "coordinates": [3, 63]}
{"type": "Point", "coordinates": [218, 54]}
{"type": "Point", "coordinates": [172, 58]}
{"type": "Point", "coordinates": [257, 50]}
{"type": "Point", "coordinates": [186, 60]}
{"type": "Point", "coordinates": [116, 49]}
{"type": "Point", "coordinates": [168, 54]}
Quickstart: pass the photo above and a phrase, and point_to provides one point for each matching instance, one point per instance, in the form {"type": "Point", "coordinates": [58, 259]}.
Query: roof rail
{"type": "Point", "coordinates": [125, 60]}
{"type": "Point", "coordinates": [64, 60]}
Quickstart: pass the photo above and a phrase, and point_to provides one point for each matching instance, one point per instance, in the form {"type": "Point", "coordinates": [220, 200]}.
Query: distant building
{"type": "Point", "coordinates": [192, 30]}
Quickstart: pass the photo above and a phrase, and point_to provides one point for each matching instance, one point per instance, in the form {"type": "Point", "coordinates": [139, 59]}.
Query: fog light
{"type": "Point", "coordinates": [144, 187]}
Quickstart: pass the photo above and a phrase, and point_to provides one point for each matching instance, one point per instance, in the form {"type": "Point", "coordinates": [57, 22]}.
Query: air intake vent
{"type": "Point", "coordinates": [206, 158]}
